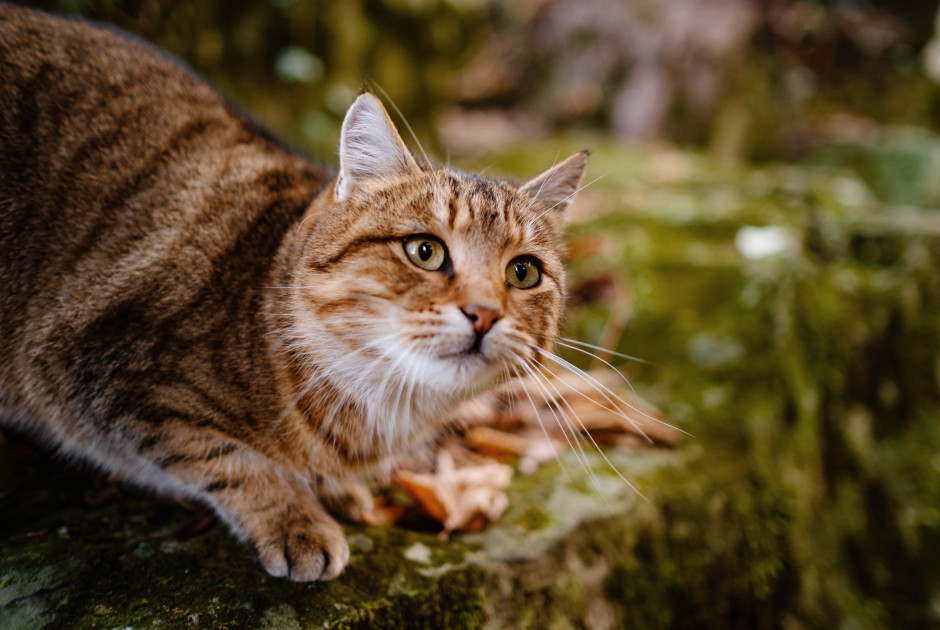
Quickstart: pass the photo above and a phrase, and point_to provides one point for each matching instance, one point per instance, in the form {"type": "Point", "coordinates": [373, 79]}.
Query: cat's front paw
{"type": "Point", "coordinates": [302, 546]}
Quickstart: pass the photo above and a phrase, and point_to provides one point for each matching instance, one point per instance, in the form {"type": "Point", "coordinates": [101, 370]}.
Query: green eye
{"type": "Point", "coordinates": [523, 272]}
{"type": "Point", "coordinates": [426, 251]}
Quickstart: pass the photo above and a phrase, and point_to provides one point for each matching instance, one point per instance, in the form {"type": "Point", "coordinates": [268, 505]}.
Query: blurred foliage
{"type": "Point", "coordinates": [763, 80]}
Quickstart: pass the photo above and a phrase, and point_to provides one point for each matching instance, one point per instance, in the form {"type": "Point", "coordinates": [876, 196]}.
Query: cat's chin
{"type": "Point", "coordinates": [471, 371]}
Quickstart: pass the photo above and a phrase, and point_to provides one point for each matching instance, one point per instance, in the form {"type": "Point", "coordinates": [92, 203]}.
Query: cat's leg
{"type": "Point", "coordinates": [275, 511]}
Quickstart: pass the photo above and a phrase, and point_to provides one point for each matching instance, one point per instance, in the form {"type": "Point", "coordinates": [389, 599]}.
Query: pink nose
{"type": "Point", "coordinates": [482, 317]}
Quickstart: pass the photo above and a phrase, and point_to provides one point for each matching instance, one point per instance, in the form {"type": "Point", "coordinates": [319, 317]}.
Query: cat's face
{"type": "Point", "coordinates": [448, 280]}
{"type": "Point", "coordinates": [423, 286]}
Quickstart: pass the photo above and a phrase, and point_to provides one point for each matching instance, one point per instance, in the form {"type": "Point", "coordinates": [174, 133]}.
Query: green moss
{"type": "Point", "coordinates": [533, 519]}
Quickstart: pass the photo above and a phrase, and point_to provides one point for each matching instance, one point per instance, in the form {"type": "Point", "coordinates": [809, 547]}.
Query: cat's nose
{"type": "Point", "coordinates": [482, 317]}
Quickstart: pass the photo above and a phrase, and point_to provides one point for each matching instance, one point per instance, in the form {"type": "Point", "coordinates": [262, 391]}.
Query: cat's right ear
{"type": "Point", "coordinates": [369, 147]}
{"type": "Point", "coordinates": [557, 186]}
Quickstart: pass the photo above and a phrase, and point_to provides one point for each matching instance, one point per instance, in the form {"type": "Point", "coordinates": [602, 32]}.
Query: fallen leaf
{"type": "Point", "coordinates": [460, 498]}
{"type": "Point", "coordinates": [383, 512]}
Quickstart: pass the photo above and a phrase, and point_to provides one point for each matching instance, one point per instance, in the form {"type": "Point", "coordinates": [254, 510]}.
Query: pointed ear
{"type": "Point", "coordinates": [557, 186]}
{"type": "Point", "coordinates": [370, 146]}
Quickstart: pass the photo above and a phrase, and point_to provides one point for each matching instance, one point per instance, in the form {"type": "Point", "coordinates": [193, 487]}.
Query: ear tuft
{"type": "Point", "coordinates": [370, 146]}
{"type": "Point", "coordinates": [557, 186]}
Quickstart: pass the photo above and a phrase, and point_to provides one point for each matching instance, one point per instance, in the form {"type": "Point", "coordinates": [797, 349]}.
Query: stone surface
{"type": "Point", "coordinates": [70, 564]}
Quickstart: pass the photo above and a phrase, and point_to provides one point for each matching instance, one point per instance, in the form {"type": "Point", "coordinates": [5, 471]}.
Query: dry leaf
{"type": "Point", "coordinates": [464, 498]}
{"type": "Point", "coordinates": [383, 512]}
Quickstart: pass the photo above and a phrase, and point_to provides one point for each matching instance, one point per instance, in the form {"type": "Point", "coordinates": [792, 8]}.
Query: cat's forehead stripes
{"type": "Point", "coordinates": [488, 211]}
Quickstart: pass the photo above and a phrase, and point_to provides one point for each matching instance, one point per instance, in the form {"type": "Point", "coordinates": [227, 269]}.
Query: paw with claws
{"type": "Point", "coordinates": [304, 545]}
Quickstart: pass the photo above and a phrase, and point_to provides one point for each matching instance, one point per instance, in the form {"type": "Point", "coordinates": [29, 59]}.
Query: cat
{"type": "Point", "coordinates": [190, 305]}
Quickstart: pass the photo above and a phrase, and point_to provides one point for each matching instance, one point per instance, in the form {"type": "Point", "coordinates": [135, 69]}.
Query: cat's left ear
{"type": "Point", "coordinates": [558, 185]}
{"type": "Point", "coordinates": [370, 146]}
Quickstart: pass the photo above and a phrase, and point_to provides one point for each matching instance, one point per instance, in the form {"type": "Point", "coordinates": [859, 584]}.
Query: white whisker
{"type": "Point", "coordinates": [373, 298]}
{"type": "Point", "coordinates": [603, 390]}
{"type": "Point", "coordinates": [509, 376]}
{"type": "Point", "coordinates": [575, 433]}
{"type": "Point", "coordinates": [404, 121]}
{"type": "Point", "coordinates": [573, 440]}
{"type": "Point", "coordinates": [585, 431]}
{"type": "Point", "coordinates": [572, 194]}
{"type": "Point", "coordinates": [538, 417]}
{"type": "Point", "coordinates": [542, 185]}
{"type": "Point", "coordinates": [438, 188]}
{"type": "Point", "coordinates": [488, 167]}
{"type": "Point", "coordinates": [607, 363]}
{"type": "Point", "coordinates": [612, 353]}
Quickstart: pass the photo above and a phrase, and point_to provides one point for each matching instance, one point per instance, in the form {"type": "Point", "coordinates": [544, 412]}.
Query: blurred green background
{"type": "Point", "coordinates": [765, 232]}
{"type": "Point", "coordinates": [742, 79]}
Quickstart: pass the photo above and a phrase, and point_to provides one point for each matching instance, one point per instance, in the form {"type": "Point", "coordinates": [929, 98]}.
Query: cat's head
{"type": "Point", "coordinates": [421, 285]}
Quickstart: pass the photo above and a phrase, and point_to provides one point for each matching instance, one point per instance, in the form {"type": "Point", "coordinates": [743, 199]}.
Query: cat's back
{"type": "Point", "coordinates": [111, 151]}
{"type": "Point", "coordinates": [138, 208]}
{"type": "Point", "coordinates": [93, 114]}
{"type": "Point", "coordinates": [75, 95]}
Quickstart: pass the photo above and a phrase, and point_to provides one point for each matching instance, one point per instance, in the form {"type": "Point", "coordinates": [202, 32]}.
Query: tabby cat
{"type": "Point", "coordinates": [193, 307]}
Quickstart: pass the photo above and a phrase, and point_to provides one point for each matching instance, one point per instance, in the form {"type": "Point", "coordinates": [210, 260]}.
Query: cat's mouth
{"type": "Point", "coordinates": [472, 351]}
{"type": "Point", "coordinates": [477, 346]}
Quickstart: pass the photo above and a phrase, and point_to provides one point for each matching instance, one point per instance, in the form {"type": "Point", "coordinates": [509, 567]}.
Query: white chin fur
{"type": "Point", "coordinates": [404, 378]}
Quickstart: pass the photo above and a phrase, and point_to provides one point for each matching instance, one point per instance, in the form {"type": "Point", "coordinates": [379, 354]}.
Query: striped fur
{"type": "Point", "coordinates": [190, 305]}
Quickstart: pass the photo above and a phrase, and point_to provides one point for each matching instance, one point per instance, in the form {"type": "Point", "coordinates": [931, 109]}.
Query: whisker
{"type": "Point", "coordinates": [509, 376]}
{"type": "Point", "coordinates": [585, 431]}
{"type": "Point", "coordinates": [542, 185]}
{"type": "Point", "coordinates": [374, 298]}
{"type": "Point", "coordinates": [302, 221]}
{"type": "Point", "coordinates": [404, 121]}
{"type": "Point", "coordinates": [607, 363]}
{"type": "Point", "coordinates": [575, 434]}
{"type": "Point", "coordinates": [489, 166]}
{"type": "Point", "coordinates": [431, 177]}
{"type": "Point", "coordinates": [601, 389]}
{"type": "Point", "coordinates": [612, 353]}
{"type": "Point", "coordinates": [353, 295]}
{"type": "Point", "coordinates": [538, 417]}
{"type": "Point", "coordinates": [573, 440]}
{"type": "Point", "coordinates": [573, 194]}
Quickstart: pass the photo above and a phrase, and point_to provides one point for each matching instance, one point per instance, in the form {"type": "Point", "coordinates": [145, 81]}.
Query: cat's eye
{"type": "Point", "coordinates": [523, 272]}
{"type": "Point", "coordinates": [426, 252]}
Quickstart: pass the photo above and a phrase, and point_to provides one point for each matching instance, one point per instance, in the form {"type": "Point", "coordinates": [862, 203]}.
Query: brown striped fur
{"type": "Point", "coordinates": [190, 305]}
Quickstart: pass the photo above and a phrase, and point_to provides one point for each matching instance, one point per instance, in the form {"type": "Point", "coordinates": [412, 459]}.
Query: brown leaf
{"type": "Point", "coordinates": [464, 498]}
{"type": "Point", "coordinates": [383, 512]}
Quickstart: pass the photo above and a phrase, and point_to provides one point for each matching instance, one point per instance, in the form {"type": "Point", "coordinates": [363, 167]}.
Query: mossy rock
{"type": "Point", "coordinates": [69, 564]}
